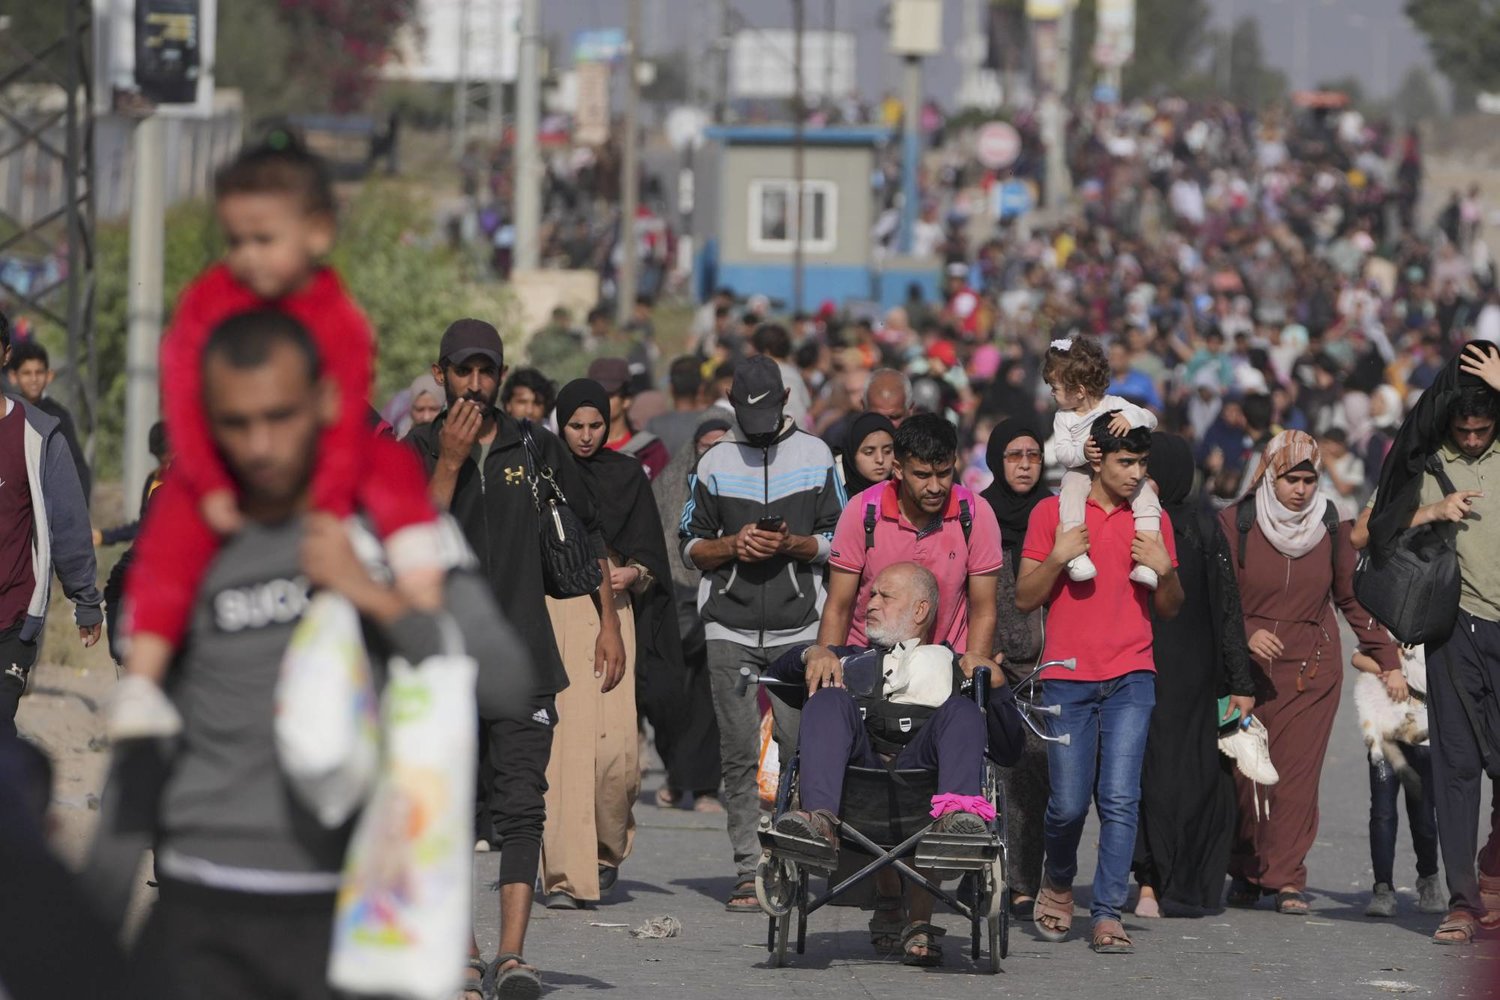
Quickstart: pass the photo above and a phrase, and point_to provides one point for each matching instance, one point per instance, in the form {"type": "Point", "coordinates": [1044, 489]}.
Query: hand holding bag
{"type": "Point", "coordinates": [1414, 592]}
{"type": "Point", "coordinates": [570, 566]}
{"type": "Point", "coordinates": [326, 712]}
{"type": "Point", "coordinates": [401, 928]}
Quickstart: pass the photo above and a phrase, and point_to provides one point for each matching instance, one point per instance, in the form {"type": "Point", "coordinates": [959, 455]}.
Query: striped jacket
{"type": "Point", "coordinates": [736, 483]}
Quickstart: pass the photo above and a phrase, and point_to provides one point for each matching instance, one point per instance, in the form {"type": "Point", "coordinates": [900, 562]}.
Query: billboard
{"type": "Point", "coordinates": [762, 64]}
{"type": "Point", "coordinates": [481, 36]}
{"type": "Point", "coordinates": [1114, 38]}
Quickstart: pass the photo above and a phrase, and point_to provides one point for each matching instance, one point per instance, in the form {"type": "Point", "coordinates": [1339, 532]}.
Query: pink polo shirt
{"type": "Point", "coordinates": [941, 550]}
{"type": "Point", "coordinates": [1105, 623]}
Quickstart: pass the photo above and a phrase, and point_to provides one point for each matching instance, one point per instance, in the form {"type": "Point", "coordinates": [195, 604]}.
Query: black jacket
{"type": "Point", "coordinates": [495, 508]}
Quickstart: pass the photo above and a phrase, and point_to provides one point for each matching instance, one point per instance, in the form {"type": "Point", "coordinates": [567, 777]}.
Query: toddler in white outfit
{"type": "Point", "coordinates": [1078, 374]}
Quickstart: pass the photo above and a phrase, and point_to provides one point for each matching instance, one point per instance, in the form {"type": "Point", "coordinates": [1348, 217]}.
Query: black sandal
{"type": "Point", "coordinates": [743, 899]}
{"type": "Point", "coordinates": [519, 982]}
{"type": "Point", "coordinates": [1242, 894]}
{"type": "Point", "coordinates": [929, 943]}
{"type": "Point", "coordinates": [1293, 904]}
{"type": "Point", "coordinates": [475, 986]}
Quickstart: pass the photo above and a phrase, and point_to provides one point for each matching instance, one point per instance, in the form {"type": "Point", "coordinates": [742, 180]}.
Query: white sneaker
{"type": "Point", "coordinates": [141, 710]}
{"type": "Point", "coordinates": [1145, 576]}
{"type": "Point", "coordinates": [1249, 747]}
{"type": "Point", "coordinates": [1081, 568]}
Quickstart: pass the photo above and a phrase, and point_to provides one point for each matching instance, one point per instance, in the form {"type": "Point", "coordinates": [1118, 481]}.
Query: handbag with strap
{"type": "Point", "coordinates": [1414, 591]}
{"type": "Point", "coordinates": [570, 566]}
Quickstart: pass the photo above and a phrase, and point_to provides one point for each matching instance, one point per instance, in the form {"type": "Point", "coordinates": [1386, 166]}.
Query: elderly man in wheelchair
{"type": "Point", "coordinates": [892, 757]}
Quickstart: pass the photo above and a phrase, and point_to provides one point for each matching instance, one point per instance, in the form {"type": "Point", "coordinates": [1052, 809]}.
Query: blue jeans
{"type": "Point", "coordinates": [1107, 721]}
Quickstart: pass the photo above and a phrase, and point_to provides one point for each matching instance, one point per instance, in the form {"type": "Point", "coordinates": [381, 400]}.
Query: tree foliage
{"type": "Point", "coordinates": [1463, 37]}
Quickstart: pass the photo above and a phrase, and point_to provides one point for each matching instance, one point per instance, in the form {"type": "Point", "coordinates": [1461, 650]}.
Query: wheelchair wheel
{"type": "Point", "coordinates": [777, 884]}
{"type": "Point", "coordinates": [996, 910]}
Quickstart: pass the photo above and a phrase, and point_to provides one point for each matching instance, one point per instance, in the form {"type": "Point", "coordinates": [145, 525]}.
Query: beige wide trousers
{"type": "Point", "coordinates": [594, 775]}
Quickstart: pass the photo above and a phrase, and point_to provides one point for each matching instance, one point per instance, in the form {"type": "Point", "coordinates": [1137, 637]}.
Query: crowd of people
{"type": "Point", "coordinates": [1242, 334]}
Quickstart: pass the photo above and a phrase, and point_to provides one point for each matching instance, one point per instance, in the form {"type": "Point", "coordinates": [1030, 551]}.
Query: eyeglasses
{"type": "Point", "coordinates": [1023, 455]}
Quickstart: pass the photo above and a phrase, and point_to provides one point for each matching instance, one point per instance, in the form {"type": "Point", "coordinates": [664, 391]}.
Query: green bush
{"type": "Point", "coordinates": [395, 266]}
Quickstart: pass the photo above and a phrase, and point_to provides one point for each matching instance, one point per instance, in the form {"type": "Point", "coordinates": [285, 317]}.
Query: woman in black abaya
{"type": "Point", "coordinates": [1187, 793]}
{"type": "Point", "coordinates": [1014, 455]}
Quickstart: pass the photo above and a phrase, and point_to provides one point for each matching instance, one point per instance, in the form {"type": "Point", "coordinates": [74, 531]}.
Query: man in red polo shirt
{"type": "Point", "coordinates": [919, 517]}
{"type": "Point", "coordinates": [1104, 624]}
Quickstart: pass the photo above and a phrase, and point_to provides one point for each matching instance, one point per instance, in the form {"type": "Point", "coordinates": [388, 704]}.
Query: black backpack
{"type": "Point", "coordinates": [1414, 591]}
{"type": "Point", "coordinates": [872, 516]}
{"type": "Point", "coordinates": [1244, 519]}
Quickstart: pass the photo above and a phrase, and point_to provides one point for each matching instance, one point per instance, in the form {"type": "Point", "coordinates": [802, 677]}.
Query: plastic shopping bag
{"type": "Point", "coordinates": [402, 924]}
{"type": "Point", "coordinates": [768, 776]}
{"type": "Point", "coordinates": [326, 712]}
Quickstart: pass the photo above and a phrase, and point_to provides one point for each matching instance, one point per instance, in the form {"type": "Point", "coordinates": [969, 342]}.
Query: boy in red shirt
{"type": "Point", "coordinates": [276, 208]}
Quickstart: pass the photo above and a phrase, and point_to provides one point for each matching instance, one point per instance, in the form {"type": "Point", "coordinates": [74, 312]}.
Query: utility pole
{"type": "Point", "coordinates": [630, 170]}
{"type": "Point", "coordinates": [144, 301]}
{"type": "Point", "coordinates": [831, 27]}
{"type": "Point", "coordinates": [527, 211]}
{"type": "Point", "coordinates": [911, 150]}
{"type": "Point", "coordinates": [1057, 112]}
{"type": "Point", "coordinates": [461, 88]}
{"type": "Point", "coordinates": [721, 87]}
{"type": "Point", "coordinates": [799, 115]}
{"type": "Point", "coordinates": [496, 97]}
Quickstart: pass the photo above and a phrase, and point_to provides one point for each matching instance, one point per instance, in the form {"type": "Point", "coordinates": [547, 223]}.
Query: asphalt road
{"type": "Point", "coordinates": [681, 867]}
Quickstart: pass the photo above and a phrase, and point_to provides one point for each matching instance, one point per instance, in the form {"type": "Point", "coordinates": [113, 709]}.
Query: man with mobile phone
{"type": "Point", "coordinates": [761, 509]}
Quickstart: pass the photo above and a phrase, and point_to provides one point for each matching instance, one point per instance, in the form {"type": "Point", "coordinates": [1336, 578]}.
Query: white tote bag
{"type": "Point", "coordinates": [402, 924]}
{"type": "Point", "coordinates": [326, 713]}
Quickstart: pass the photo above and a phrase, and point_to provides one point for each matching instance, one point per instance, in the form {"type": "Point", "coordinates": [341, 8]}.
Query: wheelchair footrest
{"type": "Point", "coordinates": [956, 852]}
{"type": "Point", "coordinates": [809, 853]}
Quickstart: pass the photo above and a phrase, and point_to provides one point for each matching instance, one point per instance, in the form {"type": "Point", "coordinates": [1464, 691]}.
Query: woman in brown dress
{"type": "Point", "coordinates": [1291, 574]}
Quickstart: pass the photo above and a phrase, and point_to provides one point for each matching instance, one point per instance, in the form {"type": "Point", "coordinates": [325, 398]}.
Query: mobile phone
{"type": "Point", "coordinates": [771, 522]}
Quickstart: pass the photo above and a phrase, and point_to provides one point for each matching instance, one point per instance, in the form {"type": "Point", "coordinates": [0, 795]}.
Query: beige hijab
{"type": "Point", "coordinates": [1293, 533]}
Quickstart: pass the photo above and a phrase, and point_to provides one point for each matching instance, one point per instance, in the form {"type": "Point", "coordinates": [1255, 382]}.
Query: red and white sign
{"type": "Point", "coordinates": [999, 145]}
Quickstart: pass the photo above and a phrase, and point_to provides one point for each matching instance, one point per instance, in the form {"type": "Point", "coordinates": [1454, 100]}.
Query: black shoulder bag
{"type": "Point", "coordinates": [1414, 592]}
{"type": "Point", "coordinates": [570, 567]}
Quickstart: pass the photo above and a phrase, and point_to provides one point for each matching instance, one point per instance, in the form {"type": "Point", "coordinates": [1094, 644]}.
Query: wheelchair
{"type": "Point", "coordinates": [885, 821]}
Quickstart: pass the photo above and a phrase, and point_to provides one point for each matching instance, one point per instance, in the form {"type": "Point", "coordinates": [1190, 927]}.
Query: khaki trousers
{"type": "Point", "coordinates": [594, 775]}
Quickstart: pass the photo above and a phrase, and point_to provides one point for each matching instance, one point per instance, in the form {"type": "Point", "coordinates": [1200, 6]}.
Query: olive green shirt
{"type": "Point", "coordinates": [1476, 537]}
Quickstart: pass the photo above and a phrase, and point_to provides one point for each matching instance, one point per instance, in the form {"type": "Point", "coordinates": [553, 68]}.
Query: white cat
{"type": "Point", "coordinates": [1386, 724]}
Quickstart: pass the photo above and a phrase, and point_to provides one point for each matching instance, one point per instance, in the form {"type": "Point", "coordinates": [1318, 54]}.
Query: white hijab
{"type": "Point", "coordinates": [1293, 533]}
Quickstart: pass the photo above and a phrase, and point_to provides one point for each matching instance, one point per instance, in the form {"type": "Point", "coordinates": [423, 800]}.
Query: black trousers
{"type": "Point", "coordinates": [513, 787]}
{"type": "Point", "coordinates": [201, 942]}
{"type": "Point", "coordinates": [16, 660]}
{"type": "Point", "coordinates": [1468, 660]}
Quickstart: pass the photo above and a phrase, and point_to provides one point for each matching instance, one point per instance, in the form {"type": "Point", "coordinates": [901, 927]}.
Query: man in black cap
{"type": "Point", "coordinates": [761, 510]}
{"type": "Point", "coordinates": [477, 466]}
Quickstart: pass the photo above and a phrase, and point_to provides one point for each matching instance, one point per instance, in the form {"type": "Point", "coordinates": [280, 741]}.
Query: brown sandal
{"type": "Point", "coordinates": [1055, 905]}
{"type": "Point", "coordinates": [1110, 939]}
{"type": "Point", "coordinates": [1459, 925]}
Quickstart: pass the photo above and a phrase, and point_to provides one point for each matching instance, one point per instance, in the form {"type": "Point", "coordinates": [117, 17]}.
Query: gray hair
{"type": "Point", "coordinates": [880, 373]}
{"type": "Point", "coordinates": [926, 585]}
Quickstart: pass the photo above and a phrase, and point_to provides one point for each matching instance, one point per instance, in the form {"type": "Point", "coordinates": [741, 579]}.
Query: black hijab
{"type": "Point", "coordinates": [864, 425]}
{"type": "Point", "coordinates": [631, 527]}
{"type": "Point", "coordinates": [1012, 509]}
{"type": "Point", "coordinates": [618, 483]}
{"type": "Point", "coordinates": [1172, 469]}
{"type": "Point", "coordinates": [1417, 439]}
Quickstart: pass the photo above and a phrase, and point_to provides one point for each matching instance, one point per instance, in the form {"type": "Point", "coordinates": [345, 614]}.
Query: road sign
{"type": "Point", "coordinates": [1013, 198]}
{"type": "Point", "coordinates": [999, 145]}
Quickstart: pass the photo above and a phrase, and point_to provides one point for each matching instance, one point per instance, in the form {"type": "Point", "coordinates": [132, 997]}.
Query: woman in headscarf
{"type": "Point", "coordinates": [1187, 796]}
{"type": "Point", "coordinates": [1014, 455]}
{"type": "Point", "coordinates": [869, 456]}
{"type": "Point", "coordinates": [688, 740]}
{"type": "Point", "coordinates": [1291, 573]}
{"type": "Point", "coordinates": [594, 774]}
